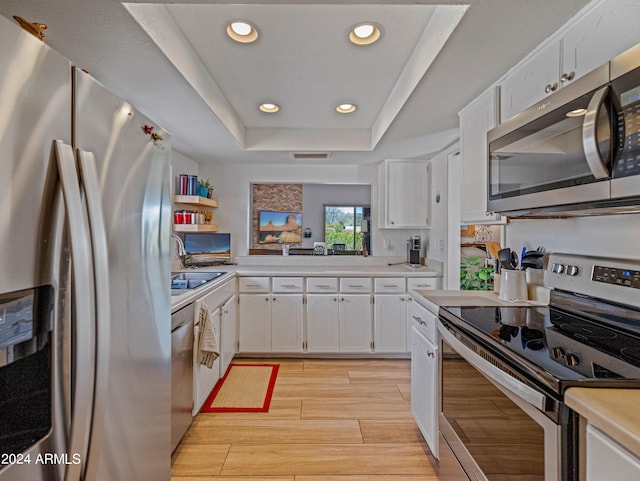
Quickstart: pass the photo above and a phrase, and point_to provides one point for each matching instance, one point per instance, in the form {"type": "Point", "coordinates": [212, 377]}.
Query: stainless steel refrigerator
{"type": "Point", "coordinates": [84, 260]}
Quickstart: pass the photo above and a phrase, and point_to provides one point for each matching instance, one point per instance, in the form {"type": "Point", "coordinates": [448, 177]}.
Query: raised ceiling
{"type": "Point", "coordinates": [174, 61]}
{"type": "Point", "coordinates": [304, 62]}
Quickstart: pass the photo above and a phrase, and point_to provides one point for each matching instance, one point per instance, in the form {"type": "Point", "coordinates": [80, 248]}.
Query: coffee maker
{"type": "Point", "coordinates": [413, 250]}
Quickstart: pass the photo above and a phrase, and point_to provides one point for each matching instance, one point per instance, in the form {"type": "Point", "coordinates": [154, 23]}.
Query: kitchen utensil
{"type": "Point", "coordinates": [514, 260]}
{"type": "Point", "coordinates": [529, 263]}
{"type": "Point", "coordinates": [493, 248]}
{"type": "Point", "coordinates": [504, 256]}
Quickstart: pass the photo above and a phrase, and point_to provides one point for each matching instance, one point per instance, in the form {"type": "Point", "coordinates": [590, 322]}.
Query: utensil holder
{"type": "Point", "coordinates": [513, 286]}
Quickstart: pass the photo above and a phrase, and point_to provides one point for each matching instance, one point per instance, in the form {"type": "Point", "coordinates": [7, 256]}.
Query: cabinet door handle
{"type": "Point", "coordinates": [253, 285]}
{"type": "Point", "coordinates": [431, 354]}
{"type": "Point", "coordinates": [390, 285]}
{"type": "Point", "coordinates": [323, 286]}
{"type": "Point", "coordinates": [551, 87]}
{"type": "Point", "coordinates": [266, 299]}
{"type": "Point", "coordinates": [289, 286]}
{"type": "Point", "coordinates": [356, 286]}
{"type": "Point", "coordinates": [567, 77]}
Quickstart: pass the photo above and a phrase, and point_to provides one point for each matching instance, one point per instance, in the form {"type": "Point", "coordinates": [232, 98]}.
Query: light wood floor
{"type": "Point", "coordinates": [330, 420]}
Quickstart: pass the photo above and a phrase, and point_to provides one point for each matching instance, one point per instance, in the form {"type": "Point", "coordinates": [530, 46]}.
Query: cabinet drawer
{"type": "Point", "coordinates": [390, 284]}
{"type": "Point", "coordinates": [424, 283]}
{"type": "Point", "coordinates": [355, 285]}
{"type": "Point", "coordinates": [322, 284]}
{"type": "Point", "coordinates": [287, 284]}
{"type": "Point", "coordinates": [253, 284]}
{"type": "Point", "coordinates": [424, 319]}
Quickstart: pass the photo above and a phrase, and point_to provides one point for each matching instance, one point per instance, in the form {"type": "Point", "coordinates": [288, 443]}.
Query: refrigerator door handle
{"type": "Point", "coordinates": [83, 335]}
{"type": "Point", "coordinates": [99, 247]}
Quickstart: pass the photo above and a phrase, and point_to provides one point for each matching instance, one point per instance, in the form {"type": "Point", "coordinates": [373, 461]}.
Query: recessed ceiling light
{"type": "Point", "coordinates": [365, 34]}
{"type": "Point", "coordinates": [346, 108]}
{"type": "Point", "coordinates": [242, 31]}
{"type": "Point", "coordinates": [577, 113]}
{"type": "Point", "coordinates": [269, 108]}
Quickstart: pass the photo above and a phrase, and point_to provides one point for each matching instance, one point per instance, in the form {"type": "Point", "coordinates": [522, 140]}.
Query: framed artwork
{"type": "Point", "coordinates": [279, 227]}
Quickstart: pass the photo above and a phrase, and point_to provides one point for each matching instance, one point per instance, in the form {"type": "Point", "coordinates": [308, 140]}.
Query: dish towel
{"type": "Point", "coordinates": [208, 342]}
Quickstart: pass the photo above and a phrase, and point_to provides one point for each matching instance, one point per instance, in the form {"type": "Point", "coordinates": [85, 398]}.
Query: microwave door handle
{"type": "Point", "coordinates": [597, 165]}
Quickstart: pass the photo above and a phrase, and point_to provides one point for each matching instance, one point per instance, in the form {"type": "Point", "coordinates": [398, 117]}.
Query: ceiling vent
{"type": "Point", "coordinates": [310, 155]}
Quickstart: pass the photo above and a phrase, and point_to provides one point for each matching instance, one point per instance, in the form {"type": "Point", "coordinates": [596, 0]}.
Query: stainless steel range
{"type": "Point", "coordinates": [504, 371]}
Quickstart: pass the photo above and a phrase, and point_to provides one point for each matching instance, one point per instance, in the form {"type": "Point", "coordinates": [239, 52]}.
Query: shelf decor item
{"type": "Point", "coordinates": [203, 188]}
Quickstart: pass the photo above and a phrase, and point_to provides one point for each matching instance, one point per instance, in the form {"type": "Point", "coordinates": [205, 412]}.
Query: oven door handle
{"type": "Point", "coordinates": [524, 392]}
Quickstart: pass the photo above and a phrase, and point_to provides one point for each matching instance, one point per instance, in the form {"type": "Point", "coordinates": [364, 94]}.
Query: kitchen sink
{"type": "Point", "coordinates": [184, 281]}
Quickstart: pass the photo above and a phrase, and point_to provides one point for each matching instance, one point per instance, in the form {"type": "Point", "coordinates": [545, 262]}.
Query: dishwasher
{"type": "Point", "coordinates": [182, 323]}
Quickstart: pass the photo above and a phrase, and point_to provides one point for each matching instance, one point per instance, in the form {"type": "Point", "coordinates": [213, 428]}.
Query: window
{"type": "Point", "coordinates": [343, 225]}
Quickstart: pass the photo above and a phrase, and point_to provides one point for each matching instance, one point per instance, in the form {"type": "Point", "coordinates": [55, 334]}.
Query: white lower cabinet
{"type": "Point", "coordinates": [270, 322]}
{"type": "Point", "coordinates": [254, 325]}
{"type": "Point", "coordinates": [424, 373]}
{"type": "Point", "coordinates": [322, 322]}
{"type": "Point", "coordinates": [424, 385]}
{"type": "Point", "coordinates": [338, 323]}
{"type": "Point", "coordinates": [341, 315]}
{"type": "Point", "coordinates": [286, 322]}
{"type": "Point", "coordinates": [354, 323]}
{"type": "Point", "coordinates": [228, 333]}
{"type": "Point", "coordinates": [221, 304]}
{"type": "Point", "coordinates": [390, 327]}
{"type": "Point", "coordinates": [607, 460]}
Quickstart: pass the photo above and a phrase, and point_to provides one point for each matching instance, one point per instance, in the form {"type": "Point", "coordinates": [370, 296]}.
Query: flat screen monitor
{"type": "Point", "coordinates": [207, 248]}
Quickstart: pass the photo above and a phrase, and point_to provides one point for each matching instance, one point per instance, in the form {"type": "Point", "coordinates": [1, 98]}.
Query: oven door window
{"type": "Point", "coordinates": [547, 153]}
{"type": "Point", "coordinates": [502, 439]}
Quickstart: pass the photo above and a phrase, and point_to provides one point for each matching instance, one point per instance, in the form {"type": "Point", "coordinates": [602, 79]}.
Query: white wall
{"type": "Point", "coordinates": [232, 190]}
{"type": "Point", "coordinates": [181, 164]}
{"type": "Point", "coordinates": [610, 236]}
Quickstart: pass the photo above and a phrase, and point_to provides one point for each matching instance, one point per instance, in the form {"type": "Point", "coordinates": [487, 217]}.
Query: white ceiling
{"type": "Point", "coordinates": [174, 62]}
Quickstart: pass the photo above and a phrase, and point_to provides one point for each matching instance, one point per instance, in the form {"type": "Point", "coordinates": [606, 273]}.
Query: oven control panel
{"type": "Point", "coordinates": [614, 279]}
{"type": "Point", "coordinates": [618, 276]}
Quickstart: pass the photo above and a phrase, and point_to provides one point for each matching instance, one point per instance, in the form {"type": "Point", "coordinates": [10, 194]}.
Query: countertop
{"type": "Point", "coordinates": [433, 300]}
{"type": "Point", "coordinates": [616, 412]}
{"type": "Point", "coordinates": [401, 270]}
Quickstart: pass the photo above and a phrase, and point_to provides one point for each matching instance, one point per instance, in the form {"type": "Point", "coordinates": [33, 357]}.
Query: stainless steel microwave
{"type": "Point", "coordinates": [577, 152]}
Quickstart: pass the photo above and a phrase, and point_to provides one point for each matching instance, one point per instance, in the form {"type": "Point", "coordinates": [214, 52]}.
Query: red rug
{"type": "Point", "coordinates": [244, 388]}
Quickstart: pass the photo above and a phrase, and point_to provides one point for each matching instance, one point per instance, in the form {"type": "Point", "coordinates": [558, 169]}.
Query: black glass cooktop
{"type": "Point", "coordinates": [558, 344]}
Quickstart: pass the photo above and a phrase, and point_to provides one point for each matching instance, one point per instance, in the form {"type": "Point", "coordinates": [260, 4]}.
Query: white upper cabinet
{"type": "Point", "coordinates": [602, 31]}
{"type": "Point", "coordinates": [610, 28]}
{"type": "Point", "coordinates": [531, 82]}
{"type": "Point", "coordinates": [404, 194]}
{"type": "Point", "coordinates": [475, 121]}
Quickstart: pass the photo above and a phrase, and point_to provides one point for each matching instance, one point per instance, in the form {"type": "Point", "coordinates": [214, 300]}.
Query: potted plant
{"type": "Point", "coordinates": [474, 276]}
{"type": "Point", "coordinates": [204, 187]}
